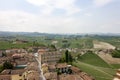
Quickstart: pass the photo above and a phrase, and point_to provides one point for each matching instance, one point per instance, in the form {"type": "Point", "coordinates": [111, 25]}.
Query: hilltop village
{"type": "Point", "coordinates": [38, 64]}
{"type": "Point", "coordinates": [41, 58]}
{"type": "Point", "coordinates": [41, 63]}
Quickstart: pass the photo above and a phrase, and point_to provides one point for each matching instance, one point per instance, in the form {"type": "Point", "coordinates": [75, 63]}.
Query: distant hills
{"type": "Point", "coordinates": [7, 33]}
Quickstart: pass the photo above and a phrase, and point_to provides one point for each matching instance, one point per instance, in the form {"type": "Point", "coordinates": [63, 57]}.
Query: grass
{"type": "Point", "coordinates": [95, 66]}
{"type": "Point", "coordinates": [8, 45]}
{"type": "Point", "coordinates": [93, 59]}
{"type": "Point", "coordinates": [1, 68]}
{"type": "Point", "coordinates": [99, 73]}
{"type": "Point", "coordinates": [83, 42]}
{"type": "Point", "coordinates": [116, 66]}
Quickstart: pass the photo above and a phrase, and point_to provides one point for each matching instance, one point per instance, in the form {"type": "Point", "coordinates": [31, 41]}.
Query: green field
{"type": "Point", "coordinates": [99, 73]}
{"type": "Point", "coordinates": [93, 59]}
{"type": "Point", "coordinates": [8, 45]}
{"type": "Point", "coordinates": [116, 66]}
{"type": "Point", "coordinates": [95, 66]}
{"type": "Point", "coordinates": [82, 42]}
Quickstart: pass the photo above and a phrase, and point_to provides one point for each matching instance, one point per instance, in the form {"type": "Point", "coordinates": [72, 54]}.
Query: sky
{"type": "Point", "coordinates": [60, 16]}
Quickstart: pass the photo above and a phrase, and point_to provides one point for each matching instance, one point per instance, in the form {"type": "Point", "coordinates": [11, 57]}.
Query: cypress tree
{"type": "Point", "coordinates": [66, 56]}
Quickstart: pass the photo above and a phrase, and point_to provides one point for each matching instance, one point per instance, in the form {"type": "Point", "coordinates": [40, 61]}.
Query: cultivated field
{"type": "Point", "coordinates": [102, 45]}
{"type": "Point", "coordinates": [109, 59]}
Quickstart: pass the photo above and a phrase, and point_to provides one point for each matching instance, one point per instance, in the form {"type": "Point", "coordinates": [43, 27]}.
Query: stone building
{"type": "Point", "coordinates": [50, 57]}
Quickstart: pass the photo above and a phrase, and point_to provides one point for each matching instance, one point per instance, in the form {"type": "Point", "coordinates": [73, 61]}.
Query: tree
{"type": "Point", "coordinates": [70, 58]}
{"type": "Point", "coordinates": [116, 53]}
{"type": "Point", "coordinates": [1, 68]}
{"type": "Point", "coordinates": [66, 56]}
{"type": "Point", "coordinates": [7, 65]}
{"type": "Point", "coordinates": [4, 54]}
{"type": "Point", "coordinates": [53, 47]}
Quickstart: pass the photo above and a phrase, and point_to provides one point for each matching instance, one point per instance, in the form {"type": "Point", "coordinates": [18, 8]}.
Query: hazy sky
{"type": "Point", "coordinates": [60, 16]}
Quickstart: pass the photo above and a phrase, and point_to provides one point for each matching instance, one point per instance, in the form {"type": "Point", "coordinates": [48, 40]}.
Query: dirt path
{"type": "Point", "coordinates": [108, 58]}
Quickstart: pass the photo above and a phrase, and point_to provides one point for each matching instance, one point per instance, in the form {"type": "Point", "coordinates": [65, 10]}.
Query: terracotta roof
{"type": "Point", "coordinates": [44, 64]}
{"type": "Point", "coordinates": [21, 62]}
{"type": "Point", "coordinates": [8, 71]}
{"type": "Point", "coordinates": [32, 66]}
{"type": "Point", "coordinates": [33, 75]}
{"type": "Point", "coordinates": [16, 55]}
{"type": "Point", "coordinates": [51, 67]}
{"type": "Point", "coordinates": [75, 69]}
{"type": "Point", "coordinates": [20, 71]}
{"type": "Point", "coordinates": [50, 76]}
{"type": "Point", "coordinates": [70, 77]}
{"type": "Point", "coordinates": [41, 51]}
{"type": "Point", "coordinates": [85, 76]}
{"type": "Point", "coordinates": [5, 77]}
{"type": "Point", "coordinates": [61, 65]}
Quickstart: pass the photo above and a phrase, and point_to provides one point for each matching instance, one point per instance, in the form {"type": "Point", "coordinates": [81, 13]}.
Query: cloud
{"type": "Point", "coordinates": [88, 14]}
{"type": "Point", "coordinates": [100, 3]}
{"type": "Point", "coordinates": [47, 21]}
{"type": "Point", "coordinates": [48, 6]}
{"type": "Point", "coordinates": [23, 21]}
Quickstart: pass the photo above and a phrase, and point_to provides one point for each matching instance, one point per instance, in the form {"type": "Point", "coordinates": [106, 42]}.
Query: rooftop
{"type": "Point", "coordinates": [61, 65]}
{"type": "Point", "coordinates": [33, 75]}
{"type": "Point", "coordinates": [8, 71]}
{"type": "Point", "coordinates": [70, 77]}
{"type": "Point", "coordinates": [51, 76]}
{"type": "Point", "coordinates": [5, 77]}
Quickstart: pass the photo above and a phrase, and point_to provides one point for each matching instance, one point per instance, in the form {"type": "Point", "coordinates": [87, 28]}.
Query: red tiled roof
{"type": "Point", "coordinates": [8, 72]}
{"type": "Point", "coordinates": [75, 69]}
{"type": "Point", "coordinates": [70, 77]}
{"type": "Point", "coordinates": [61, 65]}
{"type": "Point", "coordinates": [51, 76]}
{"type": "Point", "coordinates": [85, 76]}
{"type": "Point", "coordinates": [5, 77]}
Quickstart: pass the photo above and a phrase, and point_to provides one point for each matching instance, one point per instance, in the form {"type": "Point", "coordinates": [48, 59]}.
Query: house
{"type": "Point", "coordinates": [19, 74]}
{"type": "Point", "coordinates": [5, 77]}
{"type": "Point", "coordinates": [50, 57]}
{"type": "Point", "coordinates": [85, 76]}
{"type": "Point", "coordinates": [32, 75]}
{"type": "Point", "coordinates": [32, 66]}
{"type": "Point", "coordinates": [70, 77]}
{"type": "Point", "coordinates": [51, 76]}
{"type": "Point", "coordinates": [64, 68]}
{"type": "Point", "coordinates": [15, 51]}
{"type": "Point", "coordinates": [44, 68]}
{"type": "Point", "coordinates": [12, 74]}
{"type": "Point", "coordinates": [16, 56]}
{"type": "Point", "coordinates": [75, 70]}
{"type": "Point", "coordinates": [3, 59]}
{"type": "Point", "coordinates": [52, 68]}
